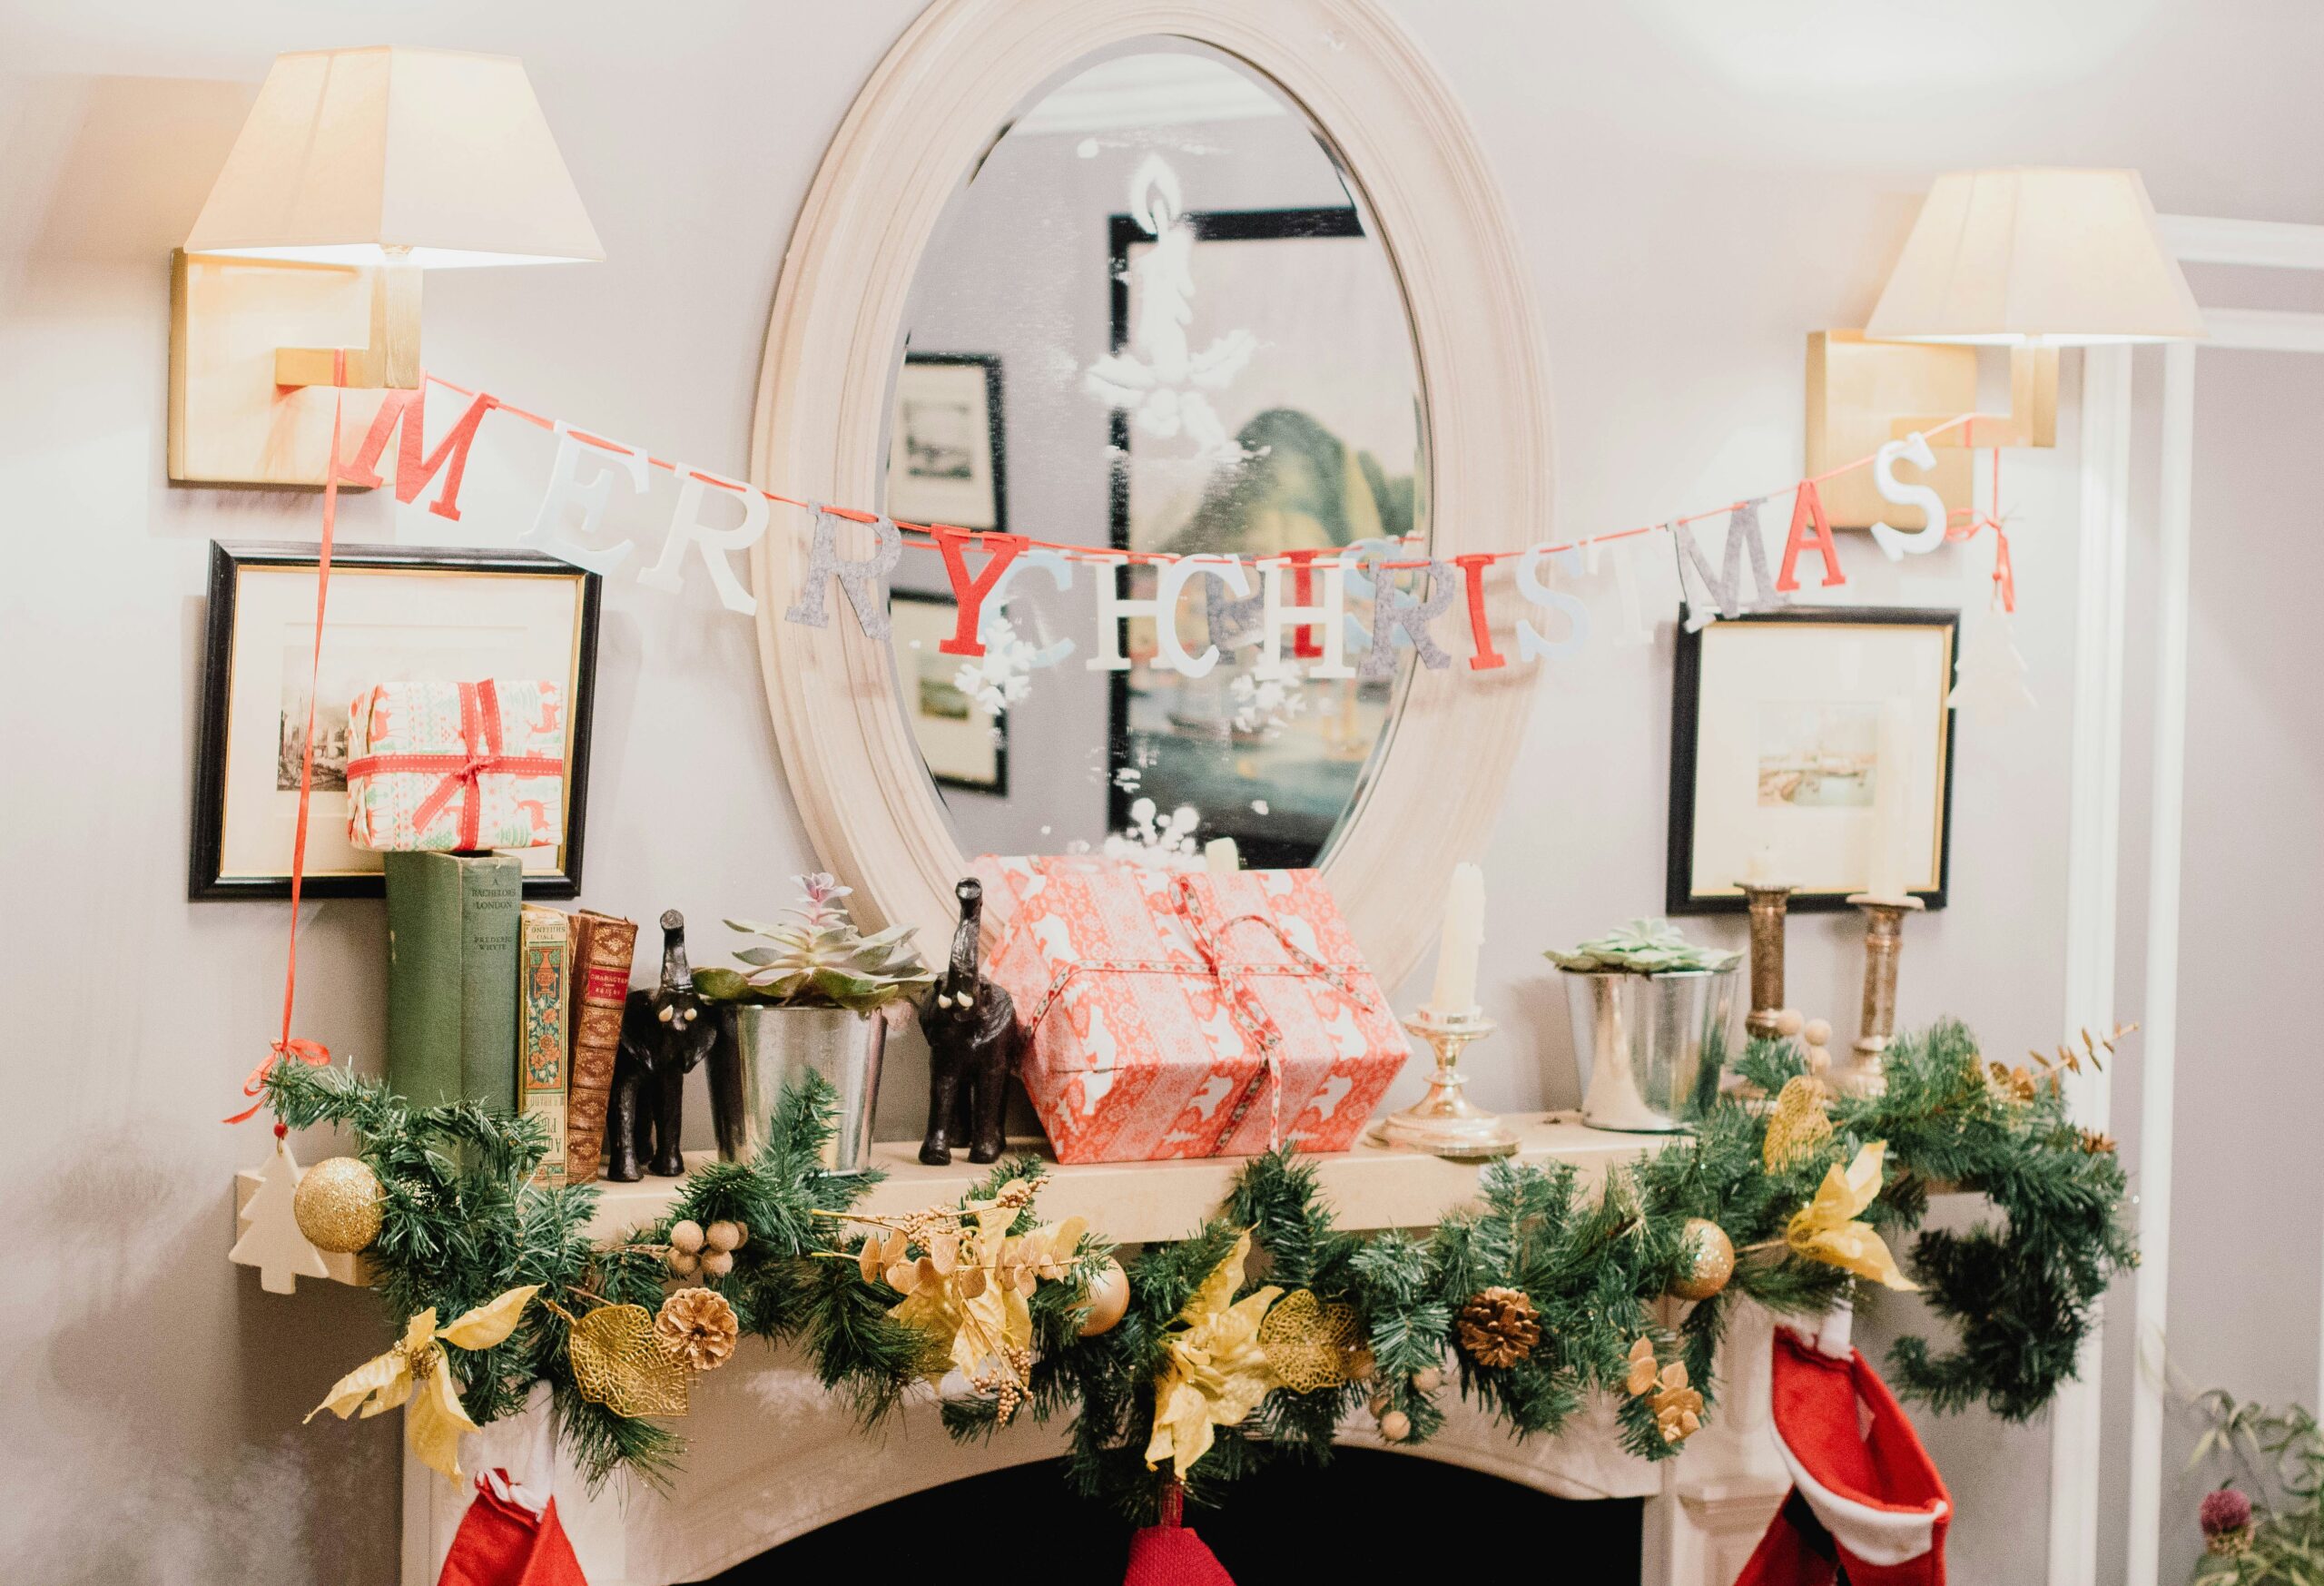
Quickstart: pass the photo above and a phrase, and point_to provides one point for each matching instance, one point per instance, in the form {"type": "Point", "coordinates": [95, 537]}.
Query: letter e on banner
{"type": "Point", "coordinates": [573, 506]}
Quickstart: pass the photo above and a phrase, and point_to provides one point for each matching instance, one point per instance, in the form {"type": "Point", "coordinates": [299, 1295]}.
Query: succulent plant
{"type": "Point", "coordinates": [815, 957]}
{"type": "Point", "coordinates": [1643, 947]}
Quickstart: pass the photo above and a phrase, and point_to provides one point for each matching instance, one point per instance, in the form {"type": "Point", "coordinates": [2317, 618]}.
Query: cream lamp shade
{"type": "Point", "coordinates": [2052, 256]}
{"type": "Point", "coordinates": [394, 156]}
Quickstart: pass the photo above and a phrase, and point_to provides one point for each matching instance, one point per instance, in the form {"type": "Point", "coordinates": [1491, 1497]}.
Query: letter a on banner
{"type": "Point", "coordinates": [969, 594]}
{"type": "Point", "coordinates": [412, 474]}
{"type": "Point", "coordinates": [1810, 531]}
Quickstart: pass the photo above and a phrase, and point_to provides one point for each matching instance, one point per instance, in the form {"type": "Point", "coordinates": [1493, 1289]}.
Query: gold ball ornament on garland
{"type": "Point", "coordinates": [1109, 1299]}
{"type": "Point", "coordinates": [1427, 1380]}
{"type": "Point", "coordinates": [1706, 1260]}
{"type": "Point", "coordinates": [1395, 1426]}
{"type": "Point", "coordinates": [337, 1205]}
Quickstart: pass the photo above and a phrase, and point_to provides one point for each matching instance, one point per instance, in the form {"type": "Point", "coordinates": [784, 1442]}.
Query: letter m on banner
{"type": "Point", "coordinates": [413, 473]}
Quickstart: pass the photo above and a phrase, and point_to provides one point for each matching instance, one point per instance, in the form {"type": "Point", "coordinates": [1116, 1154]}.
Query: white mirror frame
{"type": "Point", "coordinates": [925, 116]}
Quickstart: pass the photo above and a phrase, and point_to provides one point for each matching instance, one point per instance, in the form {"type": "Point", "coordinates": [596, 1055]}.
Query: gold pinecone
{"type": "Point", "coordinates": [1500, 1328]}
{"type": "Point", "coordinates": [698, 1326]}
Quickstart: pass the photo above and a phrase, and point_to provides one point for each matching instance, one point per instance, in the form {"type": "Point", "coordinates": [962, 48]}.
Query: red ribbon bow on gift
{"type": "Point", "coordinates": [1240, 998]}
{"type": "Point", "coordinates": [481, 744]}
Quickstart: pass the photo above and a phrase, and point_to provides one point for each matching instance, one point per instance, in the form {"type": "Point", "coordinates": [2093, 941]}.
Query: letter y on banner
{"type": "Point", "coordinates": [969, 594]}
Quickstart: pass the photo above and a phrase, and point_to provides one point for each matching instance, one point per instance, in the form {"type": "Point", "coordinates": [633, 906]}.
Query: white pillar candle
{"type": "Point", "coordinates": [1891, 786]}
{"type": "Point", "coordinates": [1457, 948]}
{"type": "Point", "coordinates": [1761, 868]}
{"type": "Point", "coordinates": [1219, 856]}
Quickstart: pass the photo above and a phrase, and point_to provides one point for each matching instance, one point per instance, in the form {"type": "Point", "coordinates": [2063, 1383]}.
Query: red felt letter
{"type": "Point", "coordinates": [412, 474]}
{"type": "Point", "coordinates": [1473, 567]}
{"type": "Point", "coordinates": [971, 593]}
{"type": "Point", "coordinates": [1810, 530]}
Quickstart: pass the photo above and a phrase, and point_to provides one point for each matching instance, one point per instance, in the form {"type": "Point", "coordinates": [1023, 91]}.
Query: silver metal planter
{"type": "Point", "coordinates": [1650, 1048]}
{"type": "Point", "coordinates": [762, 1049]}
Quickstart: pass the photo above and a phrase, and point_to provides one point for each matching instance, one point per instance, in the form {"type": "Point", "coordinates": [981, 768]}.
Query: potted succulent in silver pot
{"type": "Point", "coordinates": [1651, 1011]}
{"type": "Point", "coordinates": [814, 995]}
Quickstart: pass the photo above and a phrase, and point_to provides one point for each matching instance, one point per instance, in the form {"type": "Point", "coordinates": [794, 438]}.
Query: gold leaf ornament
{"type": "Point", "coordinates": [619, 1362]}
{"type": "Point", "coordinates": [1217, 1371]}
{"type": "Point", "coordinates": [1678, 1407]}
{"type": "Point", "coordinates": [1798, 1124]}
{"type": "Point", "coordinates": [1827, 1228]}
{"type": "Point", "coordinates": [417, 1372]}
{"type": "Point", "coordinates": [1309, 1344]}
{"type": "Point", "coordinates": [969, 1291]}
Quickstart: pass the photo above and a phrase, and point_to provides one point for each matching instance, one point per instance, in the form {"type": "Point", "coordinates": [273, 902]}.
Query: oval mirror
{"type": "Point", "coordinates": [1153, 317]}
{"type": "Point", "coordinates": [1138, 276]}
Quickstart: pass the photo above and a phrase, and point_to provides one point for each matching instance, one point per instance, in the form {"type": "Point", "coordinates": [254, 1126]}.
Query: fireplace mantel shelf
{"type": "Point", "coordinates": [1133, 1202]}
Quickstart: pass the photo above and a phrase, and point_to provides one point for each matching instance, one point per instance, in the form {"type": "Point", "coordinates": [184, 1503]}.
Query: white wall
{"type": "Point", "coordinates": [1695, 187]}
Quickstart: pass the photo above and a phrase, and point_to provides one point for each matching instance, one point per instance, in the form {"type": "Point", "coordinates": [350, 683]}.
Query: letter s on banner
{"type": "Point", "coordinates": [1535, 588]}
{"type": "Point", "coordinates": [1931, 534]}
{"type": "Point", "coordinates": [686, 528]}
{"type": "Point", "coordinates": [573, 506]}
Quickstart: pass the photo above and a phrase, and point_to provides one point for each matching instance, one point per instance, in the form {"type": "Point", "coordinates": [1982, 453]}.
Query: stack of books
{"type": "Point", "coordinates": [494, 1000]}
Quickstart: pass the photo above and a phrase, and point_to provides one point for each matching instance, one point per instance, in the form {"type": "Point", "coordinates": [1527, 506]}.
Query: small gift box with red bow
{"type": "Point", "coordinates": [457, 766]}
{"type": "Point", "coordinates": [1189, 1014]}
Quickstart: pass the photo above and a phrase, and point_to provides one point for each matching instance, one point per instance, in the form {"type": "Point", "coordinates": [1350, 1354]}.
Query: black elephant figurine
{"type": "Point", "coordinates": [971, 1029]}
{"type": "Point", "coordinates": [665, 1032]}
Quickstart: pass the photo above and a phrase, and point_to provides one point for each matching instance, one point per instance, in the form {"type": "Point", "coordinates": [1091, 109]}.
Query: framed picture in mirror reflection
{"type": "Point", "coordinates": [947, 462]}
{"type": "Point", "coordinates": [963, 737]}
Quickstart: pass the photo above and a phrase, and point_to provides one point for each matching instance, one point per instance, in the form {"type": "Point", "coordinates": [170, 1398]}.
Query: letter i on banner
{"type": "Point", "coordinates": [687, 529]}
{"type": "Point", "coordinates": [573, 506]}
{"type": "Point", "coordinates": [1634, 629]}
{"type": "Point", "coordinates": [1810, 530]}
{"type": "Point", "coordinates": [1535, 587]}
{"type": "Point", "coordinates": [969, 594]}
{"type": "Point", "coordinates": [1327, 617]}
{"type": "Point", "coordinates": [1472, 573]}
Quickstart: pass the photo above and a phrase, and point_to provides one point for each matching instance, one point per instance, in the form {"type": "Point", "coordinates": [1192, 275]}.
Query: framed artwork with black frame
{"type": "Point", "coordinates": [397, 614]}
{"type": "Point", "coordinates": [964, 741]}
{"type": "Point", "coordinates": [1784, 725]}
{"type": "Point", "coordinates": [948, 460]}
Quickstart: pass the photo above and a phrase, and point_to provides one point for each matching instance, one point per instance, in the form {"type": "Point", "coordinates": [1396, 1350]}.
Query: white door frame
{"type": "Point", "coordinates": [2075, 1448]}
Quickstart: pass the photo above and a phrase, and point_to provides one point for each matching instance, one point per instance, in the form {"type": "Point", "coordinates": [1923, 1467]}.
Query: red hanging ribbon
{"type": "Point", "coordinates": [285, 1047]}
{"type": "Point", "coordinates": [480, 753]}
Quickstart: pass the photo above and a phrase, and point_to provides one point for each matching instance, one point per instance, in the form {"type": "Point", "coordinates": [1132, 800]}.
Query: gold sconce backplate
{"type": "Point", "coordinates": [1857, 389]}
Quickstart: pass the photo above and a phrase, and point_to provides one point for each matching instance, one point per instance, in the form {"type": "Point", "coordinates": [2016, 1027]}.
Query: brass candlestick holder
{"type": "Point", "coordinates": [1444, 1122]}
{"type": "Point", "coordinates": [1884, 942]}
{"type": "Point", "coordinates": [1770, 903]}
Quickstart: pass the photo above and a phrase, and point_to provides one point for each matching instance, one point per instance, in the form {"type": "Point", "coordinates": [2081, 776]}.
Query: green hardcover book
{"type": "Point", "coordinates": [452, 977]}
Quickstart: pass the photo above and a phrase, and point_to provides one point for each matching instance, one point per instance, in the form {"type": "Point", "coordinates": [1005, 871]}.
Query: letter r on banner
{"type": "Point", "coordinates": [865, 578]}
{"type": "Point", "coordinates": [687, 529]}
{"type": "Point", "coordinates": [412, 473]}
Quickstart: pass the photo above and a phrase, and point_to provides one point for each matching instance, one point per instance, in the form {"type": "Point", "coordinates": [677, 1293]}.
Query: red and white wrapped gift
{"type": "Point", "coordinates": [1176, 1014]}
{"type": "Point", "coordinates": [457, 766]}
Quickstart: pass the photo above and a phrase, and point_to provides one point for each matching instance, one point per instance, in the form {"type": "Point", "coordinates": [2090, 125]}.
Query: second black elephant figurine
{"type": "Point", "coordinates": [971, 1029]}
{"type": "Point", "coordinates": [665, 1032]}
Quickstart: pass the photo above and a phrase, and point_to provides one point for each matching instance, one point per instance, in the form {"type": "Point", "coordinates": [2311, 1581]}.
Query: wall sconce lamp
{"type": "Point", "coordinates": [356, 170]}
{"type": "Point", "coordinates": [2032, 260]}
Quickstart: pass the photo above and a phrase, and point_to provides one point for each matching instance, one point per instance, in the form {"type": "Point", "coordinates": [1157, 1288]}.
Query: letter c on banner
{"type": "Point", "coordinates": [1175, 576]}
{"type": "Point", "coordinates": [1931, 535]}
{"type": "Point", "coordinates": [996, 600]}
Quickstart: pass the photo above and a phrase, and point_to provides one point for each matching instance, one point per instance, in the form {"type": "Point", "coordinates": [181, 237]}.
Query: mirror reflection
{"type": "Point", "coordinates": [1155, 318]}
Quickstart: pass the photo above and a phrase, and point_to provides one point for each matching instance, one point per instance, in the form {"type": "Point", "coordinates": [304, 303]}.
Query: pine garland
{"type": "Point", "coordinates": [461, 1223]}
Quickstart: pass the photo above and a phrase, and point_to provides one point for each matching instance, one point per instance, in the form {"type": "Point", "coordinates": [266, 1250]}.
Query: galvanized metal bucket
{"type": "Point", "coordinates": [1650, 1048]}
{"type": "Point", "coordinates": [762, 1049]}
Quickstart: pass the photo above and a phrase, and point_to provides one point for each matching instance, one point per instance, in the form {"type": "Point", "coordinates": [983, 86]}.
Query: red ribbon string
{"type": "Point", "coordinates": [480, 745]}
{"type": "Point", "coordinates": [285, 1047]}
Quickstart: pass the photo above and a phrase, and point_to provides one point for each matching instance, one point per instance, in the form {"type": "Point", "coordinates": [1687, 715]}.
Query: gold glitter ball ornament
{"type": "Point", "coordinates": [1109, 1299]}
{"type": "Point", "coordinates": [698, 1326]}
{"type": "Point", "coordinates": [337, 1205]}
{"type": "Point", "coordinates": [1498, 1328]}
{"type": "Point", "coordinates": [1706, 1260]}
{"type": "Point", "coordinates": [619, 1362]}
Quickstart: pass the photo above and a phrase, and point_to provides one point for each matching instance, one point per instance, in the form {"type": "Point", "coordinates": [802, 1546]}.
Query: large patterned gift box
{"type": "Point", "coordinates": [459, 766]}
{"type": "Point", "coordinates": [1187, 1015]}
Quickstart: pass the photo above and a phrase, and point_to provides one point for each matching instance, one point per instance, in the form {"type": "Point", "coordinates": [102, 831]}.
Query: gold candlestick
{"type": "Point", "coordinates": [1884, 941]}
{"type": "Point", "coordinates": [1444, 1122]}
{"type": "Point", "coordinates": [1769, 902]}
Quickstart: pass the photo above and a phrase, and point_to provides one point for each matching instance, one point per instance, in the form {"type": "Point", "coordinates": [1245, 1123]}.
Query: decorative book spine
{"type": "Point", "coordinates": [544, 956]}
{"type": "Point", "coordinates": [603, 947]}
{"type": "Point", "coordinates": [452, 977]}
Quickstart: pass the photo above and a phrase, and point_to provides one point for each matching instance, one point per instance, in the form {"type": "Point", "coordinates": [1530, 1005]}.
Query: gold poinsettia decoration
{"type": "Point", "coordinates": [417, 1371]}
{"type": "Point", "coordinates": [1217, 1370]}
{"type": "Point", "coordinates": [1827, 1228]}
{"type": "Point", "coordinates": [969, 1288]}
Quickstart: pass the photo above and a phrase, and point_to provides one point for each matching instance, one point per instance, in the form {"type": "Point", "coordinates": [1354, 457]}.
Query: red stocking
{"type": "Point", "coordinates": [501, 1542]}
{"type": "Point", "coordinates": [1169, 1554]}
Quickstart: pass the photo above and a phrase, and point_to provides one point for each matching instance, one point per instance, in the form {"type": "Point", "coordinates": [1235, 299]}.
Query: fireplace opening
{"type": "Point", "coordinates": [1347, 1520]}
